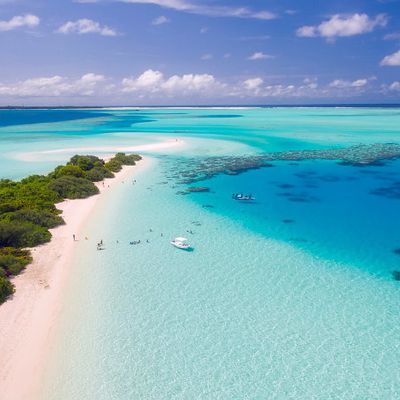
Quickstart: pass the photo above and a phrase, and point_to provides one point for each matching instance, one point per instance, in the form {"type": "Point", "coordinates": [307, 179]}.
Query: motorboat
{"type": "Point", "coordinates": [243, 197]}
{"type": "Point", "coordinates": [181, 243]}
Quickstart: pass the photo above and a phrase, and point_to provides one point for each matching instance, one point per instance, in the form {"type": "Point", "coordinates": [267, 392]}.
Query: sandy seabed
{"type": "Point", "coordinates": [28, 318]}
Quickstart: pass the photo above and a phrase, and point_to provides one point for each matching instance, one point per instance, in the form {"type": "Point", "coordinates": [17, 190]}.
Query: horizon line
{"type": "Point", "coordinates": [15, 107]}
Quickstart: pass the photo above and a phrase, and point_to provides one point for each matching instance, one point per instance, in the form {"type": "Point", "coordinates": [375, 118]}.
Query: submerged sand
{"type": "Point", "coordinates": [28, 318]}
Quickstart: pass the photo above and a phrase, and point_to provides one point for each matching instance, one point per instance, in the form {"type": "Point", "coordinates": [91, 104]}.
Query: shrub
{"type": "Point", "coordinates": [114, 165]}
{"type": "Point", "coordinates": [23, 234]}
{"type": "Point", "coordinates": [33, 193]}
{"type": "Point", "coordinates": [37, 217]}
{"type": "Point", "coordinates": [70, 187]}
{"type": "Point", "coordinates": [127, 159]}
{"type": "Point", "coordinates": [97, 174]}
{"type": "Point", "coordinates": [6, 289]}
{"type": "Point", "coordinates": [11, 234]}
{"type": "Point", "coordinates": [13, 261]}
{"type": "Point", "coordinates": [23, 255]}
{"type": "Point", "coordinates": [11, 265]}
{"type": "Point", "coordinates": [71, 170]}
{"type": "Point", "coordinates": [86, 163]}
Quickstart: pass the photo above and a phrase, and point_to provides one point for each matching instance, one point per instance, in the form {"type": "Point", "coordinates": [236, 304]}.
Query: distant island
{"type": "Point", "coordinates": [28, 207]}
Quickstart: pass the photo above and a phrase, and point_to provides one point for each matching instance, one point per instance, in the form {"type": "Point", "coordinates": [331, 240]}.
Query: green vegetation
{"type": "Point", "coordinates": [70, 187]}
{"type": "Point", "coordinates": [125, 159]}
{"type": "Point", "coordinates": [13, 261]}
{"type": "Point", "coordinates": [120, 159]}
{"type": "Point", "coordinates": [6, 289]}
{"type": "Point", "coordinates": [28, 207]}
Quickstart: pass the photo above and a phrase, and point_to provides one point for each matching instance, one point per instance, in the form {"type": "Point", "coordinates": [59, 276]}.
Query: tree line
{"type": "Point", "coordinates": [28, 208]}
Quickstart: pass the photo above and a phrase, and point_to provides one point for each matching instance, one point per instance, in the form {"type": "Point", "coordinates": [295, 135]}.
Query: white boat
{"type": "Point", "coordinates": [242, 197]}
{"type": "Point", "coordinates": [181, 243]}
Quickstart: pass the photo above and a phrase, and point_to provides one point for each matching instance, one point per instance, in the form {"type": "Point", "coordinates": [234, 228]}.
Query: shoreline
{"type": "Point", "coordinates": [27, 319]}
{"type": "Point", "coordinates": [104, 151]}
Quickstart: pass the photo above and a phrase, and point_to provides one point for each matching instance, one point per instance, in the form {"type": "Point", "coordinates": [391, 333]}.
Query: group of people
{"type": "Point", "coordinates": [135, 242]}
{"type": "Point", "coordinates": [100, 245]}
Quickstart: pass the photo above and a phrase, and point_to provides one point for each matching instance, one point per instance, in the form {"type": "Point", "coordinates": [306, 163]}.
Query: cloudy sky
{"type": "Point", "coordinates": [154, 52]}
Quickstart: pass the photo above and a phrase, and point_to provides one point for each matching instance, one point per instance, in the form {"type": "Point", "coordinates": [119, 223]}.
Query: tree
{"type": "Point", "coordinates": [6, 289]}
{"type": "Point", "coordinates": [70, 187]}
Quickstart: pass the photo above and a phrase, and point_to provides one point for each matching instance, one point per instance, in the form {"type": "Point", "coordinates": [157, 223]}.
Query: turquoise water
{"type": "Point", "coordinates": [290, 297]}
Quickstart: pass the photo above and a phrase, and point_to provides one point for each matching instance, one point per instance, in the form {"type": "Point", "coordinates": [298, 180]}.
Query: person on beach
{"type": "Point", "coordinates": [73, 237]}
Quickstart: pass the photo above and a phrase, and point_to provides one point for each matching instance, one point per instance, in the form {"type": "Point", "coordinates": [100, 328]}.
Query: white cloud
{"type": "Point", "coordinates": [340, 25]}
{"type": "Point", "coordinates": [392, 36]}
{"type": "Point", "coordinates": [191, 83]}
{"type": "Point", "coordinates": [20, 21]}
{"type": "Point", "coordinates": [307, 31]}
{"type": "Point", "coordinates": [341, 84]}
{"type": "Point", "coordinates": [310, 83]}
{"type": "Point", "coordinates": [53, 86]}
{"type": "Point", "coordinates": [151, 82]}
{"type": "Point", "coordinates": [160, 20]}
{"type": "Point", "coordinates": [279, 90]}
{"type": "Point", "coordinates": [84, 26]}
{"type": "Point", "coordinates": [259, 55]}
{"type": "Point", "coordinates": [395, 86]}
{"type": "Point", "coordinates": [154, 86]}
{"type": "Point", "coordinates": [253, 84]}
{"type": "Point", "coordinates": [209, 10]}
{"type": "Point", "coordinates": [392, 60]}
{"type": "Point", "coordinates": [256, 87]}
{"type": "Point", "coordinates": [359, 83]}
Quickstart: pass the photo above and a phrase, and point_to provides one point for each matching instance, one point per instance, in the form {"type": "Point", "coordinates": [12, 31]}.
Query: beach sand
{"type": "Point", "coordinates": [164, 145]}
{"type": "Point", "coordinates": [28, 318]}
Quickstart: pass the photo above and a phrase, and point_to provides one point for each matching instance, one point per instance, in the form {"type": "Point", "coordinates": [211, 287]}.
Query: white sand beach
{"type": "Point", "coordinates": [28, 318]}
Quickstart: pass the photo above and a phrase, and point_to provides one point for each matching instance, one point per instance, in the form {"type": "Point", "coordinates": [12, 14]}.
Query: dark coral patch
{"type": "Point", "coordinates": [285, 185]}
{"type": "Point", "coordinates": [299, 199]}
{"type": "Point", "coordinates": [390, 192]}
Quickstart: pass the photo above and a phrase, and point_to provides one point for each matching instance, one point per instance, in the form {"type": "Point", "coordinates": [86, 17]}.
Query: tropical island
{"type": "Point", "coordinates": [28, 208]}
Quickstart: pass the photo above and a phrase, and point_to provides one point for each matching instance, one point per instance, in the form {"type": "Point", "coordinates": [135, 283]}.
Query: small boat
{"type": "Point", "coordinates": [181, 243]}
{"type": "Point", "coordinates": [242, 197]}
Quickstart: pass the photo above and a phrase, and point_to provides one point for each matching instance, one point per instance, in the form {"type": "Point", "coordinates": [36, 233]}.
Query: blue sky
{"type": "Point", "coordinates": [114, 52]}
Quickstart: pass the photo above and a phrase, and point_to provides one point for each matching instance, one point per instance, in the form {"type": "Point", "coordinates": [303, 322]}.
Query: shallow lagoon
{"type": "Point", "coordinates": [287, 298]}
